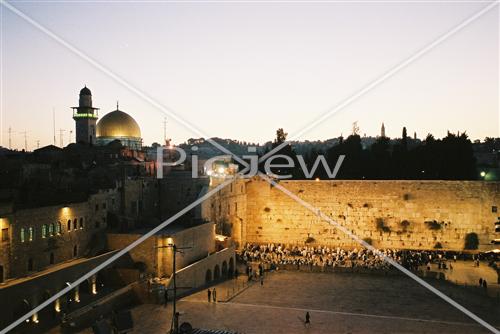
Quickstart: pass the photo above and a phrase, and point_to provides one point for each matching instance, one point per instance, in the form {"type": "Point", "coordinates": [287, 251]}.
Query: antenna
{"type": "Point", "coordinates": [25, 134]}
{"type": "Point", "coordinates": [10, 138]}
{"type": "Point", "coordinates": [54, 123]}
{"type": "Point", "coordinates": [37, 144]}
{"type": "Point", "coordinates": [165, 130]}
{"type": "Point", "coordinates": [61, 137]}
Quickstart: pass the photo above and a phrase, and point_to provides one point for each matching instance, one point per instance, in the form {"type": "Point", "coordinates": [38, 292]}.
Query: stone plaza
{"type": "Point", "coordinates": [337, 303]}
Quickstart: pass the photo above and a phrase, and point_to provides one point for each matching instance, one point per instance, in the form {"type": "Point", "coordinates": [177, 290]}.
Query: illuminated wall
{"type": "Point", "coordinates": [395, 214]}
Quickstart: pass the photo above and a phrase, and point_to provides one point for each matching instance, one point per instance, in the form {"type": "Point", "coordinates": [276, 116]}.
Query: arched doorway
{"type": "Point", "coordinates": [208, 276]}
{"type": "Point", "coordinates": [231, 267]}
{"type": "Point", "coordinates": [48, 312]}
{"type": "Point", "coordinates": [216, 272]}
{"type": "Point", "coordinates": [1, 274]}
{"type": "Point", "coordinates": [85, 287]}
{"type": "Point", "coordinates": [21, 309]}
{"type": "Point", "coordinates": [224, 269]}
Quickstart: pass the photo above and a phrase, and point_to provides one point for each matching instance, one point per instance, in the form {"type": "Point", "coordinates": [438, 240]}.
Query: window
{"type": "Point", "coordinates": [44, 231]}
{"type": "Point", "coordinates": [97, 224]}
{"type": "Point", "coordinates": [69, 225]}
{"type": "Point", "coordinates": [235, 207]}
{"type": "Point", "coordinates": [75, 223]}
{"type": "Point", "coordinates": [58, 228]}
{"type": "Point", "coordinates": [97, 207]}
{"type": "Point", "coordinates": [104, 206]}
{"type": "Point", "coordinates": [30, 264]}
{"type": "Point", "coordinates": [22, 235]}
{"type": "Point", "coordinates": [81, 223]}
{"type": "Point", "coordinates": [5, 234]}
{"type": "Point", "coordinates": [31, 233]}
{"type": "Point", "coordinates": [494, 209]}
{"type": "Point", "coordinates": [51, 230]}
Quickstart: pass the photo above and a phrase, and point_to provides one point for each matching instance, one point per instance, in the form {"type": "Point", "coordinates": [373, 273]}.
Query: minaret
{"type": "Point", "coordinates": [382, 130]}
{"type": "Point", "coordinates": [85, 117]}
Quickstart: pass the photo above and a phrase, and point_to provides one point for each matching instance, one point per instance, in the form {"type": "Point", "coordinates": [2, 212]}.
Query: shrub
{"type": "Point", "coordinates": [381, 225]}
{"type": "Point", "coordinates": [471, 241]}
{"type": "Point", "coordinates": [310, 240]}
{"type": "Point", "coordinates": [405, 224]}
{"type": "Point", "coordinates": [433, 225]}
{"type": "Point", "coordinates": [266, 209]}
{"type": "Point", "coordinates": [369, 241]}
{"type": "Point", "coordinates": [438, 245]}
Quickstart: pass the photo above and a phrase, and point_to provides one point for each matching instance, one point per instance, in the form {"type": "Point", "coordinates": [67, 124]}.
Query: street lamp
{"type": "Point", "coordinates": [174, 329]}
{"type": "Point", "coordinates": [483, 174]}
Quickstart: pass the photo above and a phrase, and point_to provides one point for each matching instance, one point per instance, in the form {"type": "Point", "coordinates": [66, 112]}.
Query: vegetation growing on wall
{"type": "Point", "coordinates": [433, 225]}
{"type": "Point", "coordinates": [381, 225]}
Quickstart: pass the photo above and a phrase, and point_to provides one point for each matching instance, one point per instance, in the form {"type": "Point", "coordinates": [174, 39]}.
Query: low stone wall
{"type": "Point", "coordinates": [215, 267]}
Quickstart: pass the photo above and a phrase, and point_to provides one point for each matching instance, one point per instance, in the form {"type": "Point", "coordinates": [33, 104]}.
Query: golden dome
{"type": "Point", "coordinates": [118, 124]}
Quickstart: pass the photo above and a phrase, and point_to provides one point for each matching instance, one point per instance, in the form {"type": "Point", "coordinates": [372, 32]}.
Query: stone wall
{"type": "Point", "coordinates": [72, 231]}
{"type": "Point", "coordinates": [195, 243]}
{"type": "Point", "coordinates": [215, 267]}
{"type": "Point", "coordinates": [17, 297]}
{"type": "Point", "coordinates": [393, 214]}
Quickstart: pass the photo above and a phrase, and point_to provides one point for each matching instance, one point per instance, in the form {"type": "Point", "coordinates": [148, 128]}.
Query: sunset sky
{"type": "Point", "coordinates": [241, 70]}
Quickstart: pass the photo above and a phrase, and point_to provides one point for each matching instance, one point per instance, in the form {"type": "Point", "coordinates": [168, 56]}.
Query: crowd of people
{"type": "Point", "coordinates": [276, 255]}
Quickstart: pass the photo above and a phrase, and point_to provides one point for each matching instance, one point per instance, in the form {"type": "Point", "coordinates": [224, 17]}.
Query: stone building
{"type": "Point", "coordinates": [35, 239]}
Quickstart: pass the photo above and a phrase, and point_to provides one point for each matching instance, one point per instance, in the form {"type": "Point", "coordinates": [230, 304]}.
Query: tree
{"type": "Point", "coordinates": [404, 140]}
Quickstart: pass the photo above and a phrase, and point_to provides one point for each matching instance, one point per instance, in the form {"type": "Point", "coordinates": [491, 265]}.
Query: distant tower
{"type": "Point", "coordinates": [85, 117]}
{"type": "Point", "coordinates": [382, 130]}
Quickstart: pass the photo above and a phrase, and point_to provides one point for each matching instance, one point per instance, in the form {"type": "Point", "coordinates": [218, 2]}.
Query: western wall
{"type": "Point", "coordinates": [388, 214]}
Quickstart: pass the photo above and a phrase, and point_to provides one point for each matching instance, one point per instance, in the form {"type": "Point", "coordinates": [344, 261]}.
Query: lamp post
{"type": "Point", "coordinates": [174, 327]}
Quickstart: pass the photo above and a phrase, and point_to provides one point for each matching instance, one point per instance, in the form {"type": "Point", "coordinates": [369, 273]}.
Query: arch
{"type": "Point", "coordinates": [224, 270]}
{"type": "Point", "coordinates": [81, 223]}
{"type": "Point", "coordinates": [231, 267]}
{"type": "Point", "coordinates": [59, 228]}
{"type": "Point", "coordinates": [216, 272]}
{"type": "Point", "coordinates": [21, 309]}
{"type": "Point", "coordinates": [208, 276]}
{"type": "Point", "coordinates": [85, 287]}
{"type": "Point", "coordinates": [69, 225]}
{"type": "Point", "coordinates": [75, 224]}
{"type": "Point", "coordinates": [47, 312]}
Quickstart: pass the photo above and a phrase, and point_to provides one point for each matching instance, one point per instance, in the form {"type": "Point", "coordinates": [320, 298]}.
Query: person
{"type": "Point", "coordinates": [214, 295]}
{"type": "Point", "coordinates": [485, 285]}
{"type": "Point", "coordinates": [308, 319]}
{"type": "Point", "coordinates": [209, 294]}
{"type": "Point", "coordinates": [261, 280]}
{"type": "Point", "coordinates": [480, 281]}
{"type": "Point", "coordinates": [165, 295]}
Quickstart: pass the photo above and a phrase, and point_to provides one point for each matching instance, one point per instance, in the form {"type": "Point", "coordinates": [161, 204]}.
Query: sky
{"type": "Point", "coordinates": [241, 70]}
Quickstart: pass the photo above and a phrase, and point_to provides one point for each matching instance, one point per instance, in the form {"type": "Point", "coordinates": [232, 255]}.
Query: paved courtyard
{"type": "Point", "coordinates": [338, 303]}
